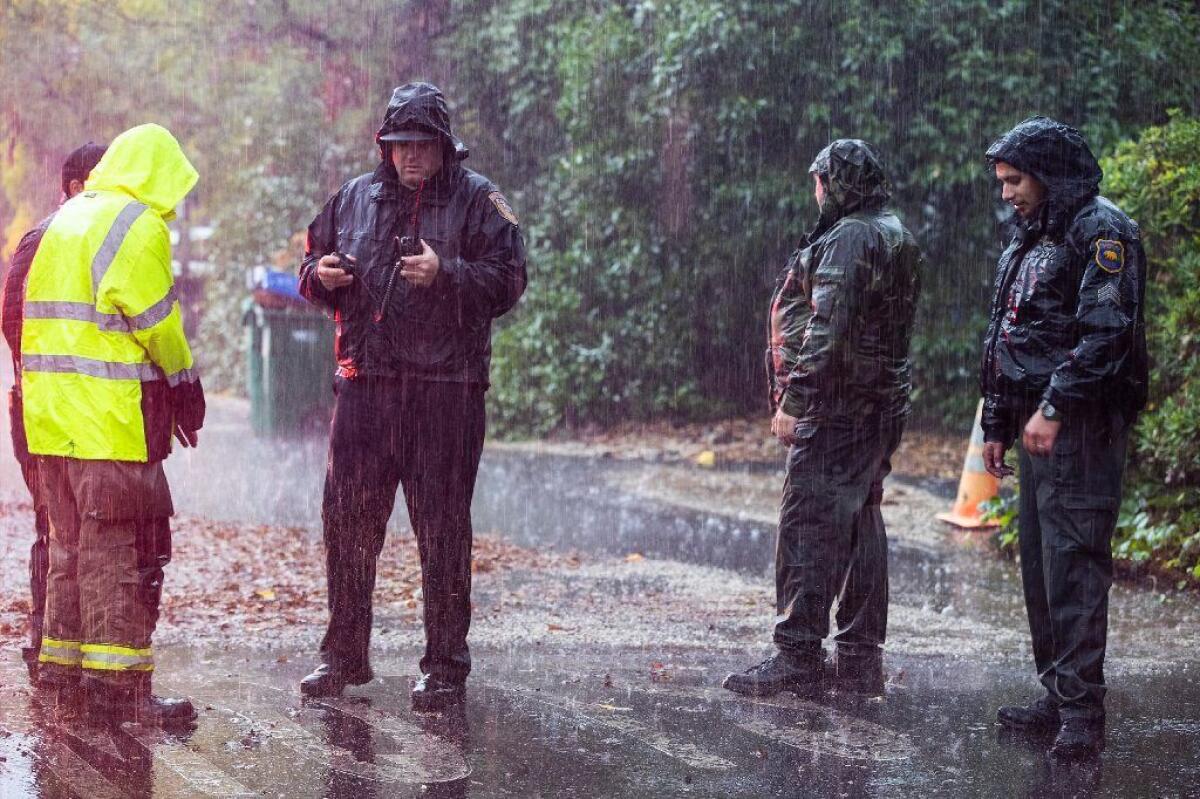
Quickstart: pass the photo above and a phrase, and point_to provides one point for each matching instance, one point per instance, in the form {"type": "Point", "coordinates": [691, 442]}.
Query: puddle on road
{"type": "Point", "coordinates": [631, 729]}
{"type": "Point", "coordinates": [810, 726]}
{"type": "Point", "coordinates": [561, 730]}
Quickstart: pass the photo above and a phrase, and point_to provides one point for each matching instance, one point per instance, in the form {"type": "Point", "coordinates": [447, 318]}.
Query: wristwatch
{"type": "Point", "coordinates": [1049, 412]}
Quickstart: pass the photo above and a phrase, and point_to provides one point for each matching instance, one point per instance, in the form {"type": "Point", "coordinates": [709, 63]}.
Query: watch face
{"type": "Point", "coordinates": [1050, 412]}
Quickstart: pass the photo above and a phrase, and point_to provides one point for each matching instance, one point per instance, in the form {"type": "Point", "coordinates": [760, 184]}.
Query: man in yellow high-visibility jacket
{"type": "Point", "coordinates": [107, 378]}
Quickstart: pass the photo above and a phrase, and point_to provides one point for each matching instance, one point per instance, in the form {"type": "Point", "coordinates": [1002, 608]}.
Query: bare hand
{"type": "Point", "coordinates": [1039, 435]}
{"type": "Point", "coordinates": [783, 427]}
{"type": "Point", "coordinates": [331, 274]}
{"type": "Point", "coordinates": [420, 270]}
{"type": "Point", "coordinates": [188, 438]}
{"type": "Point", "coordinates": [993, 459]}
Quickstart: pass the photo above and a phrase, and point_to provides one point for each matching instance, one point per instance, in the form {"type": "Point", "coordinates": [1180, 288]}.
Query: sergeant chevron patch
{"type": "Point", "coordinates": [1110, 255]}
{"type": "Point", "coordinates": [1109, 294]}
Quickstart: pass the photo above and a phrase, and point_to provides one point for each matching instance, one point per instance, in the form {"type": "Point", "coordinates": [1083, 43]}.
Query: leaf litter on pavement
{"type": "Point", "coordinates": [255, 578]}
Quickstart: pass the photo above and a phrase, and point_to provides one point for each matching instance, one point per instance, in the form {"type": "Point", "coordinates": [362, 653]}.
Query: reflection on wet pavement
{"type": "Point", "coordinates": [566, 729]}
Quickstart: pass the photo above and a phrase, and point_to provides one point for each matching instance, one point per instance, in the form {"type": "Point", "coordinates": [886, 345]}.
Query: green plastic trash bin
{"type": "Point", "coordinates": [289, 369]}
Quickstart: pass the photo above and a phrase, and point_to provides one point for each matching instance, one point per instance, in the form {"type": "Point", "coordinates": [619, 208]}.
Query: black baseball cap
{"type": "Point", "coordinates": [81, 162]}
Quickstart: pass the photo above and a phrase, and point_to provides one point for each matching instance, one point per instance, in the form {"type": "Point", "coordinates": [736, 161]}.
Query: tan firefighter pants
{"type": "Point", "coordinates": [110, 537]}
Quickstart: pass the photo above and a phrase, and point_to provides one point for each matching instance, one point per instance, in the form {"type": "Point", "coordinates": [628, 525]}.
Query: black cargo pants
{"type": "Point", "coordinates": [426, 437]}
{"type": "Point", "coordinates": [1068, 510]}
{"type": "Point", "coordinates": [832, 543]}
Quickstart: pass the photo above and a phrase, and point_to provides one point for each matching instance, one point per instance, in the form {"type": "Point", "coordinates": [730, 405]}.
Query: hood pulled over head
{"type": "Point", "coordinates": [853, 178]}
{"type": "Point", "coordinates": [1058, 157]}
{"type": "Point", "coordinates": [147, 163]}
{"type": "Point", "coordinates": [419, 106]}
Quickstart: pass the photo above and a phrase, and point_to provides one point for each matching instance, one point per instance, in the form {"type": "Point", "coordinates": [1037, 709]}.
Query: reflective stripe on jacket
{"type": "Point", "coordinates": [102, 339]}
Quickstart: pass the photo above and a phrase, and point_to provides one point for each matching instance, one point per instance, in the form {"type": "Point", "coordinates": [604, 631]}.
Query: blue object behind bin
{"type": "Point", "coordinates": [284, 284]}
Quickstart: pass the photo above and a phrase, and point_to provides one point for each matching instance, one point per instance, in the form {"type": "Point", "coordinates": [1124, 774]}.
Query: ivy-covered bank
{"type": "Point", "coordinates": [1156, 179]}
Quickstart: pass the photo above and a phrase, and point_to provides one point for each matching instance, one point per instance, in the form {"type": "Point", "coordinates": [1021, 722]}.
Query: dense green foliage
{"type": "Point", "coordinates": [1156, 179]}
{"type": "Point", "coordinates": [673, 139]}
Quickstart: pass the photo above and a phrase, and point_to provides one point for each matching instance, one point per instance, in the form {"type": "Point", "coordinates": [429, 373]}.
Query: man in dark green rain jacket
{"type": "Point", "coordinates": [840, 323]}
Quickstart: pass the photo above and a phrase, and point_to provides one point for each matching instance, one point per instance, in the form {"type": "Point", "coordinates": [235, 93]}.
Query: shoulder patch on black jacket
{"type": "Point", "coordinates": [1110, 255]}
{"type": "Point", "coordinates": [503, 207]}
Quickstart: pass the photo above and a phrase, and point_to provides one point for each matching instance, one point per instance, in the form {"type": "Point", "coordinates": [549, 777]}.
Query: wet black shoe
{"type": "Point", "coordinates": [435, 693]}
{"type": "Point", "coordinates": [1078, 739]}
{"type": "Point", "coordinates": [1039, 717]}
{"type": "Point", "coordinates": [114, 705]}
{"type": "Point", "coordinates": [324, 681]}
{"type": "Point", "coordinates": [783, 671]}
{"type": "Point", "coordinates": [856, 673]}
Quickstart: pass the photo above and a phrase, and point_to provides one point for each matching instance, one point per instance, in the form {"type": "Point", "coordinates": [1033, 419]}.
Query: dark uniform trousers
{"type": "Point", "coordinates": [39, 556]}
{"type": "Point", "coordinates": [832, 543]}
{"type": "Point", "coordinates": [426, 437]}
{"type": "Point", "coordinates": [39, 551]}
{"type": "Point", "coordinates": [1068, 510]}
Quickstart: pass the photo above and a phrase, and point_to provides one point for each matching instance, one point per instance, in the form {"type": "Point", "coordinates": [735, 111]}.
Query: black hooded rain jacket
{"type": "Point", "coordinates": [443, 332]}
{"type": "Point", "coordinates": [1066, 324]}
{"type": "Point", "coordinates": [842, 313]}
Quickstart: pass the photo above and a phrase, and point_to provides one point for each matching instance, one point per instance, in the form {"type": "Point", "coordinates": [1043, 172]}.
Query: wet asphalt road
{"type": "Point", "coordinates": [548, 725]}
{"type": "Point", "coordinates": [585, 719]}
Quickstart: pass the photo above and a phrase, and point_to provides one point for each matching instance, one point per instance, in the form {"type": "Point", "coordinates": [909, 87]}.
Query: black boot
{"type": "Point", "coordinates": [435, 693]}
{"type": "Point", "coordinates": [324, 681]}
{"type": "Point", "coordinates": [786, 670]}
{"type": "Point", "coordinates": [65, 700]}
{"type": "Point", "coordinates": [116, 704]}
{"type": "Point", "coordinates": [1078, 739]}
{"type": "Point", "coordinates": [1039, 717]}
{"type": "Point", "coordinates": [857, 670]}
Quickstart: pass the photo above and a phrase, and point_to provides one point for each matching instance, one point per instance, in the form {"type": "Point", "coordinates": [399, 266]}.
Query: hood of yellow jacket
{"type": "Point", "coordinates": [147, 163]}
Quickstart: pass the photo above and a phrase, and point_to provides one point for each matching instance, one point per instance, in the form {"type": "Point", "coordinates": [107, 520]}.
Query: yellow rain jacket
{"type": "Point", "coordinates": [106, 369]}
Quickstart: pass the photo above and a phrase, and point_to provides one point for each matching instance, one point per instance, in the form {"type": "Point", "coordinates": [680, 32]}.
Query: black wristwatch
{"type": "Point", "coordinates": [1049, 412]}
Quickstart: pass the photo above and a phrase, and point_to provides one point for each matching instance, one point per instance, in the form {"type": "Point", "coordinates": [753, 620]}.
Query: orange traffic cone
{"type": "Point", "coordinates": [976, 485]}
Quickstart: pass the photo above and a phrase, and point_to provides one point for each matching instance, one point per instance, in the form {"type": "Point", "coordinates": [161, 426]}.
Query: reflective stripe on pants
{"type": "Point", "coordinates": [108, 657]}
{"type": "Point", "coordinates": [62, 653]}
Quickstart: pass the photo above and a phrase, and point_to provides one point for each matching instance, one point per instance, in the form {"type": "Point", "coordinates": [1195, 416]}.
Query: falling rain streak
{"type": "Point", "coordinates": [649, 167]}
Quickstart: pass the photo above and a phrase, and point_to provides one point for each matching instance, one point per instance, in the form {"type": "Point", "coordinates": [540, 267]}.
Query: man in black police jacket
{"type": "Point", "coordinates": [1065, 367]}
{"type": "Point", "coordinates": [414, 260]}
